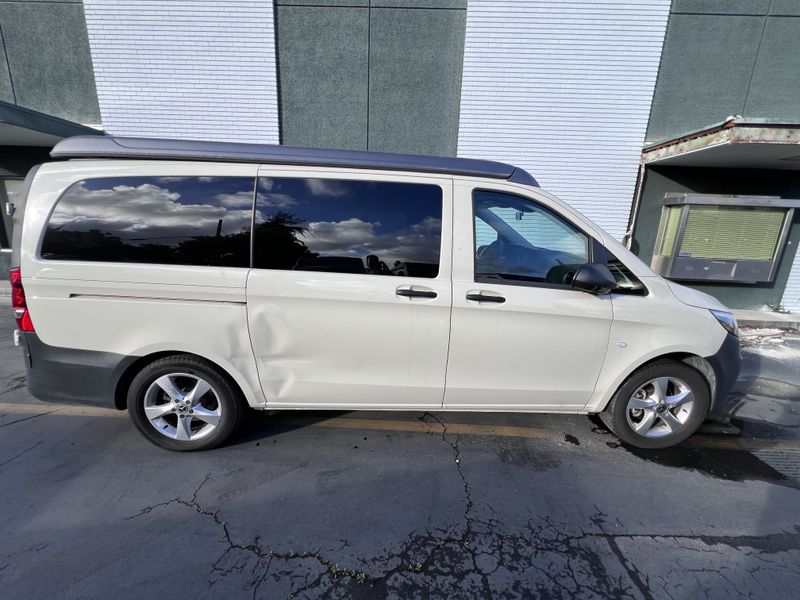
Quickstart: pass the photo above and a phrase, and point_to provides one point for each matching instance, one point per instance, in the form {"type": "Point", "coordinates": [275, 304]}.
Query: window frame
{"type": "Point", "coordinates": [590, 243]}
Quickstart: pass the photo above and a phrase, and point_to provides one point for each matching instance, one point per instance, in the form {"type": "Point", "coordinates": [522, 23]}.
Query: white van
{"type": "Point", "coordinates": [186, 281]}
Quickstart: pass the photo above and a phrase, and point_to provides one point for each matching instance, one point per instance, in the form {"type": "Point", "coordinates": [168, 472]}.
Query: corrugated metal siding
{"type": "Point", "coordinates": [192, 69]}
{"type": "Point", "coordinates": [563, 88]}
{"type": "Point", "coordinates": [791, 295]}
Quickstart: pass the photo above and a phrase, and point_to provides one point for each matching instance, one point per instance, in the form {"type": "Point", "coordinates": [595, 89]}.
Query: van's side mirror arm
{"type": "Point", "coordinates": [594, 278]}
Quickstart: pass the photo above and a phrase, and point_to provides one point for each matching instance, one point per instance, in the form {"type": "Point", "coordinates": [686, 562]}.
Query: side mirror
{"type": "Point", "coordinates": [594, 278]}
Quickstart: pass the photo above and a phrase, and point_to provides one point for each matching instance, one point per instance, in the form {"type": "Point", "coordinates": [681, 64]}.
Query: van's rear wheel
{"type": "Point", "coordinates": [660, 405]}
{"type": "Point", "coordinates": [184, 403]}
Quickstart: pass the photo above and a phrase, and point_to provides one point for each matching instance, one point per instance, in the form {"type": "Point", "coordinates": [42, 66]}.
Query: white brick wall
{"type": "Point", "coordinates": [563, 89]}
{"type": "Point", "coordinates": [791, 296]}
{"type": "Point", "coordinates": [191, 69]}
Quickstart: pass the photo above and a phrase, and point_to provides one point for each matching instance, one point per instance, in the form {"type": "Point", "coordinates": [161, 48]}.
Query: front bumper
{"type": "Point", "coordinates": [727, 363]}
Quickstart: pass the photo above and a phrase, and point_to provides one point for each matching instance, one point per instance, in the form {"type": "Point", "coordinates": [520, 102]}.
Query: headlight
{"type": "Point", "coordinates": [727, 320]}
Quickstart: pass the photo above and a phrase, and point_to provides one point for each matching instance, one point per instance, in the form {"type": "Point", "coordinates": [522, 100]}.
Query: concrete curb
{"type": "Point", "coordinates": [770, 324]}
{"type": "Point", "coordinates": [763, 319]}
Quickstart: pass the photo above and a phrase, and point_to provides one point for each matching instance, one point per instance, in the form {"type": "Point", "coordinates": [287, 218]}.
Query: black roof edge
{"type": "Point", "coordinates": [151, 148]}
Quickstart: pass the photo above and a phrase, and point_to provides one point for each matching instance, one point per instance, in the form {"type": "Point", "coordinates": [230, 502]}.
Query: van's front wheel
{"type": "Point", "coordinates": [183, 403]}
{"type": "Point", "coordinates": [660, 405]}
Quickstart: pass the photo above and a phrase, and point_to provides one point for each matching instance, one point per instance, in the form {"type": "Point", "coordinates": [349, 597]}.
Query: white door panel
{"type": "Point", "coordinates": [348, 339]}
{"type": "Point", "coordinates": [541, 349]}
{"type": "Point", "coordinates": [518, 346]}
{"type": "Point", "coordinates": [331, 339]}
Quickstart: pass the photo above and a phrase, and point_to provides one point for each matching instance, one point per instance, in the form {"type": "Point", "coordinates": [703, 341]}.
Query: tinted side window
{"type": "Point", "coordinates": [343, 226]}
{"type": "Point", "coordinates": [165, 220]}
{"type": "Point", "coordinates": [517, 239]}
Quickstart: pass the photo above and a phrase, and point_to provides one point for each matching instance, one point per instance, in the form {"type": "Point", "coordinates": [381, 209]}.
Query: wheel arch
{"type": "Point", "coordinates": [698, 363]}
{"type": "Point", "coordinates": [127, 376]}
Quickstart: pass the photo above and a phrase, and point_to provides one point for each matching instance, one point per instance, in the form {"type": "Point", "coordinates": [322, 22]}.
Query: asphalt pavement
{"type": "Point", "coordinates": [403, 505]}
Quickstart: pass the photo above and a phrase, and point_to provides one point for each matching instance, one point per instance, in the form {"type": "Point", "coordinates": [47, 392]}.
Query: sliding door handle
{"type": "Point", "coordinates": [485, 297]}
{"type": "Point", "coordinates": [412, 293]}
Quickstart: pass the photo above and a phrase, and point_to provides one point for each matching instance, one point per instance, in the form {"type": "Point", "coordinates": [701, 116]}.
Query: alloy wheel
{"type": "Point", "coordinates": [660, 407]}
{"type": "Point", "coordinates": [182, 406]}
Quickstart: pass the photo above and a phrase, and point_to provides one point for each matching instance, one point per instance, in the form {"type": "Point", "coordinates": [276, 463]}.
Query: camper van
{"type": "Point", "coordinates": [189, 282]}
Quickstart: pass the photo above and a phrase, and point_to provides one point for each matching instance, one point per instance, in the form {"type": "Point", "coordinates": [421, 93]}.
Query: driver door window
{"type": "Point", "coordinates": [518, 240]}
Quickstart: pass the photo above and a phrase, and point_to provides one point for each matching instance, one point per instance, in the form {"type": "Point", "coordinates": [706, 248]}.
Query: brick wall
{"type": "Point", "coordinates": [192, 69]}
{"type": "Point", "coordinates": [563, 89]}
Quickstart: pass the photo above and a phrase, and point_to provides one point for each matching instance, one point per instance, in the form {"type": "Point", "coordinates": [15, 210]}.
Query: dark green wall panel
{"type": "Point", "coordinates": [6, 91]}
{"type": "Point", "coordinates": [721, 7]}
{"type": "Point", "coordinates": [419, 4]}
{"type": "Point", "coordinates": [775, 88]}
{"type": "Point", "coordinates": [380, 77]}
{"type": "Point", "coordinates": [48, 51]}
{"type": "Point", "coordinates": [705, 71]}
{"type": "Point", "coordinates": [323, 69]}
{"type": "Point", "coordinates": [723, 58]}
{"type": "Point", "coordinates": [340, 3]}
{"type": "Point", "coordinates": [415, 80]}
{"type": "Point", "coordinates": [785, 7]}
{"type": "Point", "coordinates": [665, 180]}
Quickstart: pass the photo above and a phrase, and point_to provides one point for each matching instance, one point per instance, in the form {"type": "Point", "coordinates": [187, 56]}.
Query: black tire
{"type": "Point", "coordinates": [616, 419]}
{"type": "Point", "coordinates": [225, 396]}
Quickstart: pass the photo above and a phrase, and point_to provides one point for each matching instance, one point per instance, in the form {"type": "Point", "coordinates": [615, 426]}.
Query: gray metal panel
{"type": "Point", "coordinates": [730, 200]}
{"type": "Point", "coordinates": [146, 148]}
{"type": "Point", "coordinates": [25, 118]}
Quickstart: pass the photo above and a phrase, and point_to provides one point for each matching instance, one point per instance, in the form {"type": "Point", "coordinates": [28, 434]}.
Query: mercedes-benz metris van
{"type": "Point", "coordinates": [187, 281]}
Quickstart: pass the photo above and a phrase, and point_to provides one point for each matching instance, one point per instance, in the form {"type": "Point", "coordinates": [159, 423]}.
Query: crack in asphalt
{"type": "Point", "coordinates": [49, 412]}
{"type": "Point", "coordinates": [640, 580]}
{"type": "Point", "coordinates": [13, 383]}
{"type": "Point", "coordinates": [477, 559]}
{"type": "Point", "coordinates": [254, 548]}
{"type": "Point", "coordinates": [469, 504]}
{"type": "Point", "coordinates": [15, 457]}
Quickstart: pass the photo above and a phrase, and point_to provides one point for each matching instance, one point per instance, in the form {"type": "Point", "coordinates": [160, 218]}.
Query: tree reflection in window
{"type": "Point", "coordinates": [348, 226]}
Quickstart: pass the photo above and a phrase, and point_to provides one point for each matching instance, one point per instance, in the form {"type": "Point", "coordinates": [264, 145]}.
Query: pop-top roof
{"type": "Point", "coordinates": [145, 148]}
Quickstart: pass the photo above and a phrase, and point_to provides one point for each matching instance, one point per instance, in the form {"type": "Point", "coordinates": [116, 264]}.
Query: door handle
{"type": "Point", "coordinates": [412, 293]}
{"type": "Point", "coordinates": [484, 297]}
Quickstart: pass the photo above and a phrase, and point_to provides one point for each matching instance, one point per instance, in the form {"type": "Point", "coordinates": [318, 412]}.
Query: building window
{"type": "Point", "coordinates": [203, 221]}
{"type": "Point", "coordinates": [344, 226]}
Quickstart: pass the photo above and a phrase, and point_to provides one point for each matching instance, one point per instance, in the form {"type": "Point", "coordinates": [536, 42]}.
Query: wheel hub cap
{"type": "Point", "coordinates": [660, 407]}
{"type": "Point", "coordinates": [182, 406]}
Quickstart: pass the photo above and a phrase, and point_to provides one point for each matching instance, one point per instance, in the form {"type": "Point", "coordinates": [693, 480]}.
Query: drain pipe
{"type": "Point", "coordinates": [627, 239]}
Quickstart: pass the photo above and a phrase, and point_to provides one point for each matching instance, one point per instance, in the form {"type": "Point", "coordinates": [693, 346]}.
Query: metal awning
{"type": "Point", "coordinates": [738, 142]}
{"type": "Point", "coordinates": [24, 127]}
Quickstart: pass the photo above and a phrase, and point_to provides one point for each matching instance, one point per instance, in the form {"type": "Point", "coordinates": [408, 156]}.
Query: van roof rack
{"type": "Point", "coordinates": [104, 146]}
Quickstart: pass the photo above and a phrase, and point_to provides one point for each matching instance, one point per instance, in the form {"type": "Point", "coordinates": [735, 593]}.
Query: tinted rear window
{"type": "Point", "coordinates": [345, 226]}
{"type": "Point", "coordinates": [165, 220]}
